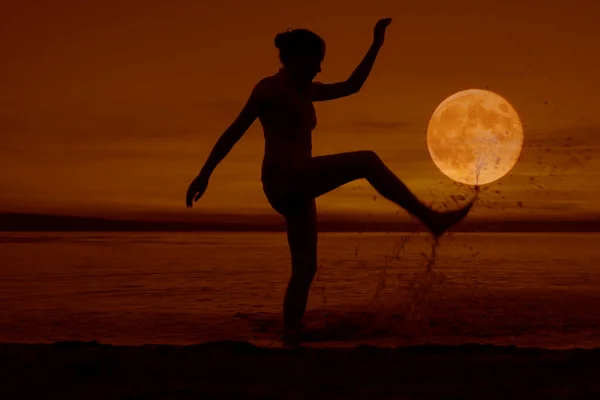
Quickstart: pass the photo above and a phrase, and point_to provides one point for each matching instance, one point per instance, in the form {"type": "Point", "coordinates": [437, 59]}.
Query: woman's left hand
{"type": "Point", "coordinates": [196, 189]}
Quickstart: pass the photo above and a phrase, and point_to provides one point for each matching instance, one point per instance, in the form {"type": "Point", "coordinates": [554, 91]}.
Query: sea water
{"type": "Point", "coordinates": [526, 289]}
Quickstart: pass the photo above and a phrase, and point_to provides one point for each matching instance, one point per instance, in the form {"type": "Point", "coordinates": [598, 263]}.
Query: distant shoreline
{"type": "Point", "coordinates": [27, 222]}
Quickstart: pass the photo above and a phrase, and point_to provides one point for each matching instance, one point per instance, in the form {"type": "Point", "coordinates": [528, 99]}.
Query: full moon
{"type": "Point", "coordinates": [475, 137]}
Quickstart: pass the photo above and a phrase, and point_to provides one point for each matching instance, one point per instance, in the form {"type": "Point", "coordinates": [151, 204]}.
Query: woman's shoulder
{"type": "Point", "coordinates": [268, 90]}
{"type": "Point", "coordinates": [268, 86]}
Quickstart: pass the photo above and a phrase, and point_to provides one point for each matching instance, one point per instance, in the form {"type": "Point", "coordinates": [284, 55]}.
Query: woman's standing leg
{"type": "Point", "coordinates": [301, 221]}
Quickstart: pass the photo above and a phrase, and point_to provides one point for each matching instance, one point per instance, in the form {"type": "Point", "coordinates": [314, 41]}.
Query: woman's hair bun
{"type": "Point", "coordinates": [282, 39]}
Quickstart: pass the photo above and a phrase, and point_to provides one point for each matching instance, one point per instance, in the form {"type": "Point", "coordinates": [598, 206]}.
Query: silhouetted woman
{"type": "Point", "coordinates": [292, 178]}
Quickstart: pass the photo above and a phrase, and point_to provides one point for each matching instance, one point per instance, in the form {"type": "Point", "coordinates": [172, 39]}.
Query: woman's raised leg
{"type": "Point", "coordinates": [323, 174]}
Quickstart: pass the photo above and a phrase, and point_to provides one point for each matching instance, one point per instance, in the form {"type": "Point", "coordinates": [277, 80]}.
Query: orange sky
{"type": "Point", "coordinates": [113, 106]}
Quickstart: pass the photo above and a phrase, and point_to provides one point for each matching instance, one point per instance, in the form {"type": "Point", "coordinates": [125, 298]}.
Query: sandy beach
{"type": "Point", "coordinates": [230, 369]}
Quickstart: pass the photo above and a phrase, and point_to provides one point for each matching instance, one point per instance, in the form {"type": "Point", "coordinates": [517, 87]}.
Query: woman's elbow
{"type": "Point", "coordinates": [353, 87]}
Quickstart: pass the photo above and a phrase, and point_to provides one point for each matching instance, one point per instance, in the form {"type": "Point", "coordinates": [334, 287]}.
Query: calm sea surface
{"type": "Point", "coordinates": [133, 288]}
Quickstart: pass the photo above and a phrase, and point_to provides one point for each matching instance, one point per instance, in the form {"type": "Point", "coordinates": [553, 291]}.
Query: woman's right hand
{"type": "Point", "coordinates": [196, 189]}
{"type": "Point", "coordinates": [379, 31]}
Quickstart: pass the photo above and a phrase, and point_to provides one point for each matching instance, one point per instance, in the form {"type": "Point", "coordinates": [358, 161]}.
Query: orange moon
{"type": "Point", "coordinates": [475, 137]}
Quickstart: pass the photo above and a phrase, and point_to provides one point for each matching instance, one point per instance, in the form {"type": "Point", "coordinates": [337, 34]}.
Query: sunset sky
{"type": "Point", "coordinates": [111, 107]}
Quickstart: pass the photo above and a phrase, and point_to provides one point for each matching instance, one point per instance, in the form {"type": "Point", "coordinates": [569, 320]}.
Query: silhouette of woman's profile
{"type": "Point", "coordinates": [292, 178]}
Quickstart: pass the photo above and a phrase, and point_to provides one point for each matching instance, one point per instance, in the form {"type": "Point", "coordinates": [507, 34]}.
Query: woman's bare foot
{"type": "Point", "coordinates": [440, 222]}
{"type": "Point", "coordinates": [292, 337]}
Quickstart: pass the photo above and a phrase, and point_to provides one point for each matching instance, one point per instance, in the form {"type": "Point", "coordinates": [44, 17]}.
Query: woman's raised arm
{"type": "Point", "coordinates": [330, 91]}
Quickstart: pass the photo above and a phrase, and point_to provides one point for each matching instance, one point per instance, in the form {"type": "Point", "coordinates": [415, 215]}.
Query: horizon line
{"type": "Point", "coordinates": [31, 222]}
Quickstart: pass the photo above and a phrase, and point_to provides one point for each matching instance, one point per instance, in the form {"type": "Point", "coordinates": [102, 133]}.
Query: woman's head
{"type": "Point", "coordinates": [301, 51]}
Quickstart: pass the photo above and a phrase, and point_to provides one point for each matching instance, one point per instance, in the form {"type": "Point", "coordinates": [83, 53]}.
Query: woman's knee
{"type": "Point", "coordinates": [304, 271]}
{"type": "Point", "coordinates": [368, 158]}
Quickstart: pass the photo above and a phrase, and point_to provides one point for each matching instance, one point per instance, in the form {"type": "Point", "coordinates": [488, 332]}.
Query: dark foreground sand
{"type": "Point", "coordinates": [239, 370]}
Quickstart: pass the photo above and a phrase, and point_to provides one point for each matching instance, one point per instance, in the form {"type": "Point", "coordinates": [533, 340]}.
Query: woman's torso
{"type": "Point", "coordinates": [288, 119]}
